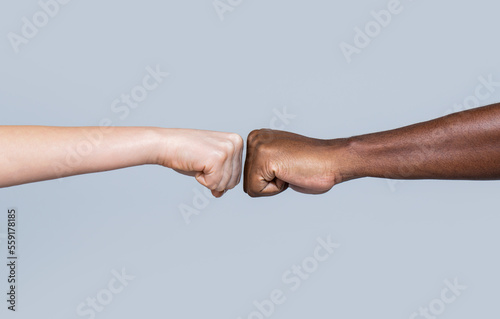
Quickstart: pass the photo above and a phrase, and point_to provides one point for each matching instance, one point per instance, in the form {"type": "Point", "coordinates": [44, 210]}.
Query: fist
{"type": "Point", "coordinates": [213, 158]}
{"type": "Point", "coordinates": [276, 160]}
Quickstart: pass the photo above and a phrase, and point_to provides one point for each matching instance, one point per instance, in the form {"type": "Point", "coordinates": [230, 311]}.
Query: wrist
{"type": "Point", "coordinates": [161, 146]}
{"type": "Point", "coordinates": [345, 162]}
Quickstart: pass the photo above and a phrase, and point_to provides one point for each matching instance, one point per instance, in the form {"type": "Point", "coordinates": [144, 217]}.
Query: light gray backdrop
{"type": "Point", "coordinates": [236, 66]}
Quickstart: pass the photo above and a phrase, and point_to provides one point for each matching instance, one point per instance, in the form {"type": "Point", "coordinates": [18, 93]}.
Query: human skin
{"type": "Point", "coordinates": [36, 153]}
{"type": "Point", "coordinates": [462, 146]}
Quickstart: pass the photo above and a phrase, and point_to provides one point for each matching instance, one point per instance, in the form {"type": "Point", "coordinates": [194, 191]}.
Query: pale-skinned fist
{"type": "Point", "coordinates": [213, 158]}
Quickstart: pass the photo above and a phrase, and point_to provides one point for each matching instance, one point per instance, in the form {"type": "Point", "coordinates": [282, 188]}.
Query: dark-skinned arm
{"type": "Point", "coordinates": [464, 145]}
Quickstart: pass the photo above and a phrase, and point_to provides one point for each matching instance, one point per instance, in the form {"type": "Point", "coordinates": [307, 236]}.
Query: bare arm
{"type": "Point", "coordinates": [36, 153]}
{"type": "Point", "coordinates": [463, 145]}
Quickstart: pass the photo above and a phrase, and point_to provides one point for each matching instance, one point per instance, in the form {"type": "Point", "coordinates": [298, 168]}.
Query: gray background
{"type": "Point", "coordinates": [399, 241]}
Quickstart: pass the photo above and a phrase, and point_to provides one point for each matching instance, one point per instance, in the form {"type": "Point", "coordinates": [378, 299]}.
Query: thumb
{"type": "Point", "coordinates": [260, 186]}
{"type": "Point", "coordinates": [274, 187]}
{"type": "Point", "coordinates": [202, 179]}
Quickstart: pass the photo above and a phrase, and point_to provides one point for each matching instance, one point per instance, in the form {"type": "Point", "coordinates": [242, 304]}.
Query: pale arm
{"type": "Point", "coordinates": [36, 153]}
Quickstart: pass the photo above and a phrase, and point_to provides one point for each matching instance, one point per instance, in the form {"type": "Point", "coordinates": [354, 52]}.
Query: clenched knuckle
{"type": "Point", "coordinates": [219, 156]}
{"type": "Point", "coordinates": [237, 141]}
{"type": "Point", "coordinates": [235, 138]}
{"type": "Point", "coordinates": [253, 136]}
{"type": "Point", "coordinates": [228, 146]}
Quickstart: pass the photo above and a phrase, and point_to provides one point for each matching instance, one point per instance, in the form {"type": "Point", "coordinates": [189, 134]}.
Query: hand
{"type": "Point", "coordinates": [213, 158]}
{"type": "Point", "coordinates": [278, 159]}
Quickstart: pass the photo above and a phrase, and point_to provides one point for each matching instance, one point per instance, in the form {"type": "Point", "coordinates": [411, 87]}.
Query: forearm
{"type": "Point", "coordinates": [463, 145]}
{"type": "Point", "coordinates": [35, 153]}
